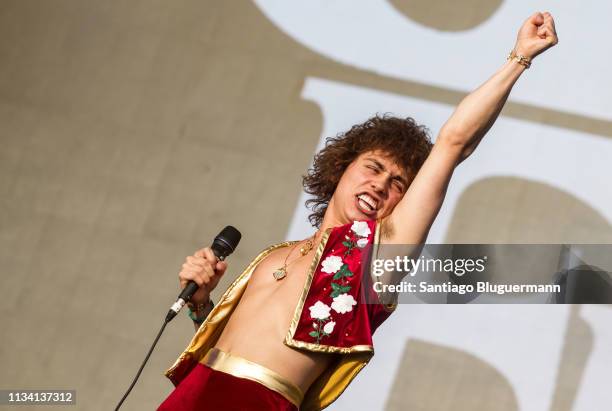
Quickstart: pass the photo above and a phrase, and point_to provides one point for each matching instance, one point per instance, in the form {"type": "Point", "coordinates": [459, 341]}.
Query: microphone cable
{"type": "Point", "coordinates": [166, 321]}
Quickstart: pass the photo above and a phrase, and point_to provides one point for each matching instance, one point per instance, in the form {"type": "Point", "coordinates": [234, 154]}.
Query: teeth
{"type": "Point", "coordinates": [365, 205]}
{"type": "Point", "coordinates": [369, 200]}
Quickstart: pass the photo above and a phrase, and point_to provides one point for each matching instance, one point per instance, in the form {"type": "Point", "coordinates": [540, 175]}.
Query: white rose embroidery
{"type": "Point", "coordinates": [328, 328]}
{"type": "Point", "coordinates": [362, 242]}
{"type": "Point", "coordinates": [361, 228]}
{"type": "Point", "coordinates": [343, 303]}
{"type": "Point", "coordinates": [332, 264]}
{"type": "Point", "coordinates": [319, 310]}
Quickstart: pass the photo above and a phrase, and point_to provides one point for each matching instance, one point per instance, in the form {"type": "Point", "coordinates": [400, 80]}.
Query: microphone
{"type": "Point", "coordinates": [223, 245]}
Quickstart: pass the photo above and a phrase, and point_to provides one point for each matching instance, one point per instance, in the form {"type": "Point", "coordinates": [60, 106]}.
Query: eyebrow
{"type": "Point", "coordinates": [382, 167]}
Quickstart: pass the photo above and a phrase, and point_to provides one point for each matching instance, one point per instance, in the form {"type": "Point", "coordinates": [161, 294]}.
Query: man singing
{"type": "Point", "coordinates": [293, 329]}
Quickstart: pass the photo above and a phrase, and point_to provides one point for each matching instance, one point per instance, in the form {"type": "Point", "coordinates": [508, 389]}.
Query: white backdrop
{"type": "Point", "coordinates": [573, 77]}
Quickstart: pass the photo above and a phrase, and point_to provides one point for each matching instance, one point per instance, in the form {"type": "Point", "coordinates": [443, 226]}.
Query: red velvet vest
{"type": "Point", "coordinates": [336, 312]}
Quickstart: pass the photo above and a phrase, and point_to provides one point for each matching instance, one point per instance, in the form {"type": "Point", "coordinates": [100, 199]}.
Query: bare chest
{"type": "Point", "coordinates": [268, 306]}
{"type": "Point", "coordinates": [266, 287]}
{"type": "Point", "coordinates": [261, 320]}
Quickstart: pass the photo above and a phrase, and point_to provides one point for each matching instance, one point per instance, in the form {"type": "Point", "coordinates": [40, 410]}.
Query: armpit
{"type": "Point", "coordinates": [386, 229]}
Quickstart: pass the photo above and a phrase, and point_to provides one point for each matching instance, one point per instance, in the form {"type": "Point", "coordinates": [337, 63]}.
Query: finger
{"type": "Point", "coordinates": [210, 256]}
{"type": "Point", "coordinates": [188, 275]}
{"type": "Point", "coordinates": [536, 18]}
{"type": "Point", "coordinates": [199, 253]}
{"type": "Point", "coordinates": [542, 32]}
{"type": "Point", "coordinates": [193, 267]}
{"type": "Point", "coordinates": [199, 261]}
{"type": "Point", "coordinates": [554, 40]}
{"type": "Point", "coordinates": [548, 19]}
{"type": "Point", "coordinates": [545, 32]}
{"type": "Point", "coordinates": [202, 273]}
{"type": "Point", "coordinates": [548, 22]}
{"type": "Point", "coordinates": [550, 36]}
{"type": "Point", "coordinates": [206, 276]}
{"type": "Point", "coordinates": [199, 275]}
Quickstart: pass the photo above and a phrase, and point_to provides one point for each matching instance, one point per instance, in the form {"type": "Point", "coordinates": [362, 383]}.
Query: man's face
{"type": "Point", "coordinates": [370, 188]}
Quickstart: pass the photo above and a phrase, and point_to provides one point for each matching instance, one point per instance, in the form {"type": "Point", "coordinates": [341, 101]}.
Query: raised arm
{"type": "Point", "coordinates": [410, 221]}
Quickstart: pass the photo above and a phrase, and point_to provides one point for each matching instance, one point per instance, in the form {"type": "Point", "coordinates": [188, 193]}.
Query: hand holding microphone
{"type": "Point", "coordinates": [205, 270]}
{"type": "Point", "coordinates": [201, 272]}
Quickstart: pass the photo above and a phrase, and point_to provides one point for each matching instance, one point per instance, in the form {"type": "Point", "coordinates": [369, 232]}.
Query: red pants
{"type": "Point", "coordinates": [208, 389]}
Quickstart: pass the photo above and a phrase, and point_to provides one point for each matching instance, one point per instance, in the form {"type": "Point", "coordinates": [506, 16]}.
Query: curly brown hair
{"type": "Point", "coordinates": [406, 142]}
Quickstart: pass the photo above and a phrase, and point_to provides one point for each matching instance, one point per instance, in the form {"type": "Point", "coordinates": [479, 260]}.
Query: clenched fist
{"type": "Point", "coordinates": [203, 268]}
{"type": "Point", "coordinates": [536, 35]}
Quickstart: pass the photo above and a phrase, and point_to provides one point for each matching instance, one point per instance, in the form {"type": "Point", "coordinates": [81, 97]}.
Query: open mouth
{"type": "Point", "coordinates": [366, 204]}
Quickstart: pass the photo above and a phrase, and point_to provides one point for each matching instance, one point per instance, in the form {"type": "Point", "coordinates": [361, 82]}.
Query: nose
{"type": "Point", "coordinates": [379, 185]}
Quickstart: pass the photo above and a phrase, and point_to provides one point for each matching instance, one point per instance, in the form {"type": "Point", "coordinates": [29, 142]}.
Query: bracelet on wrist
{"type": "Point", "coordinates": [520, 59]}
{"type": "Point", "coordinates": [199, 312]}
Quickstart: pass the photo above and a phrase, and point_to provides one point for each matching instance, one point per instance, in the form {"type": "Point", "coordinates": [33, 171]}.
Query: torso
{"type": "Point", "coordinates": [258, 326]}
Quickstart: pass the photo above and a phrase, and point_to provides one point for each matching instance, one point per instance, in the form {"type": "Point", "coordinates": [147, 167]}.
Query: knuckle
{"type": "Point", "coordinates": [199, 253]}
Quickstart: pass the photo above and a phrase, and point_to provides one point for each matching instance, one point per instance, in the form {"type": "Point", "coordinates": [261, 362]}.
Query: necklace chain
{"type": "Point", "coordinates": [281, 272]}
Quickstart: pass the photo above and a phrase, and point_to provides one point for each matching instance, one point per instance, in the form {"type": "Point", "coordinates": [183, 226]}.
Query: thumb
{"type": "Point", "coordinates": [543, 32]}
{"type": "Point", "coordinates": [220, 267]}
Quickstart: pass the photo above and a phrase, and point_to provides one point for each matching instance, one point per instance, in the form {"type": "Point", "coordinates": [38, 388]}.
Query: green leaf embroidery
{"type": "Point", "coordinates": [314, 334]}
{"type": "Point", "coordinates": [343, 272]}
{"type": "Point", "coordinates": [338, 289]}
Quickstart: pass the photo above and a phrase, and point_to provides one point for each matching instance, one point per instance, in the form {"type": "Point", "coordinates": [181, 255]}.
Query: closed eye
{"type": "Point", "coordinates": [399, 186]}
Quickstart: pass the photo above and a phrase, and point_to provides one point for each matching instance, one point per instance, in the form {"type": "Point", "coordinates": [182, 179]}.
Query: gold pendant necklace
{"type": "Point", "coordinates": [281, 272]}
